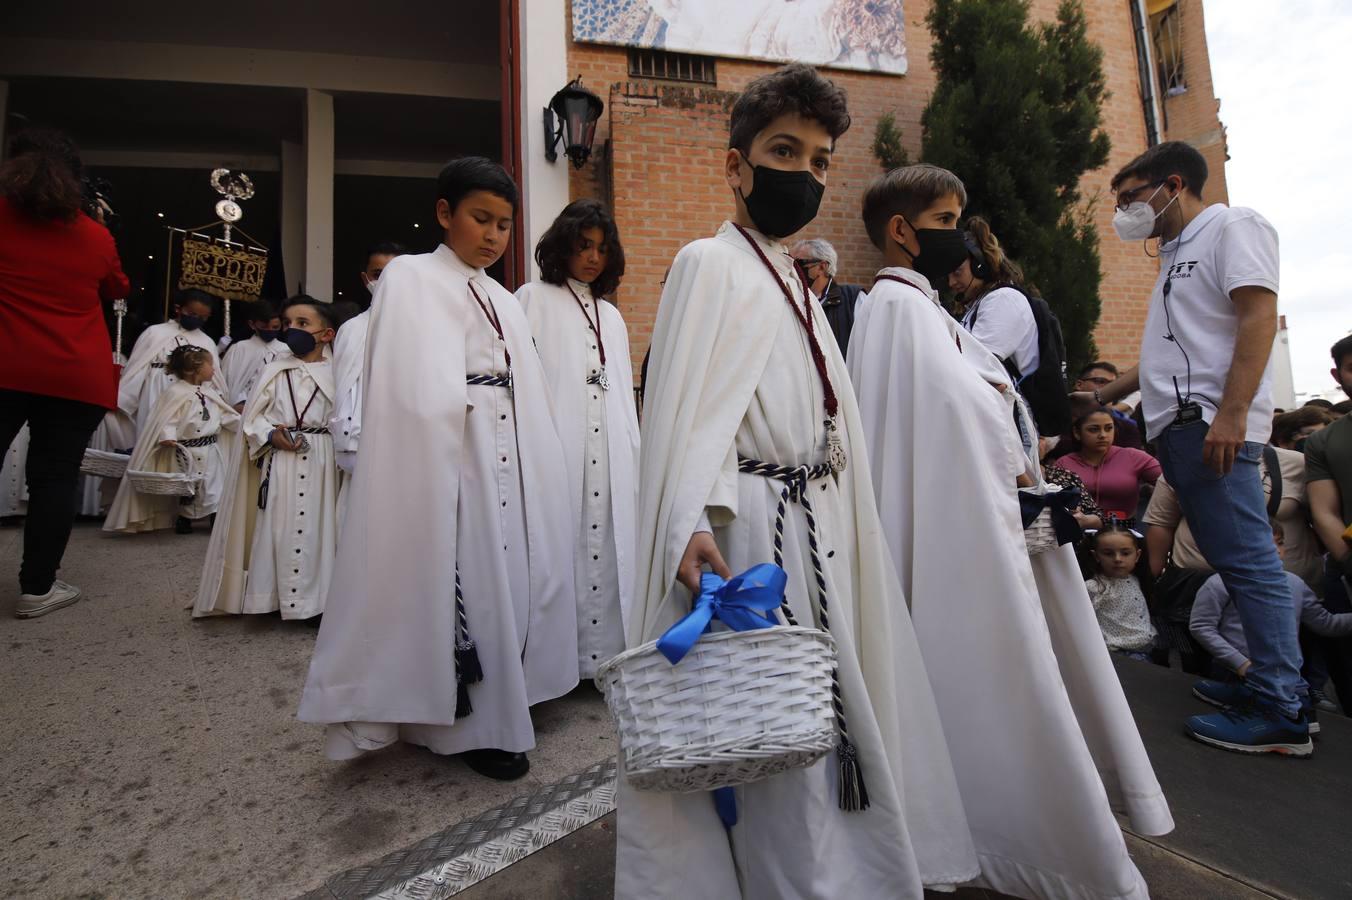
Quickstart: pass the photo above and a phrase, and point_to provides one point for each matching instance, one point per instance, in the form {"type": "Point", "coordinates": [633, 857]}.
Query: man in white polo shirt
{"type": "Point", "coordinates": [1205, 385]}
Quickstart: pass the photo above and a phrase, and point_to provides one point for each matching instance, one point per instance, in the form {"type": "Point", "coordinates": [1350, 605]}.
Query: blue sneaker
{"type": "Point", "coordinates": [1222, 694]}
{"type": "Point", "coordinates": [1253, 728]}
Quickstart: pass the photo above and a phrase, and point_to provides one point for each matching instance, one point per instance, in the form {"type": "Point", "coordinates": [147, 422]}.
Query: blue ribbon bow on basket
{"type": "Point", "coordinates": [743, 602]}
{"type": "Point", "coordinates": [1062, 504]}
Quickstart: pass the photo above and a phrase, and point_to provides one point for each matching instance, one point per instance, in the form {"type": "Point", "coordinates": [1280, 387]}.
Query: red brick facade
{"type": "Point", "coordinates": [662, 170]}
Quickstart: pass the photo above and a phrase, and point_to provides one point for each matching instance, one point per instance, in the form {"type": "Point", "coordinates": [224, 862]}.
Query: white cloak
{"type": "Point", "coordinates": [945, 457]}
{"type": "Point", "coordinates": [244, 363]}
{"type": "Point", "coordinates": [177, 416]}
{"type": "Point", "coordinates": [144, 377]}
{"type": "Point", "coordinates": [447, 473]}
{"type": "Point", "coordinates": [116, 432]}
{"type": "Point", "coordinates": [14, 478]}
{"type": "Point", "coordinates": [281, 558]}
{"type": "Point", "coordinates": [599, 429]}
{"type": "Point", "coordinates": [731, 373]}
{"type": "Point", "coordinates": [349, 354]}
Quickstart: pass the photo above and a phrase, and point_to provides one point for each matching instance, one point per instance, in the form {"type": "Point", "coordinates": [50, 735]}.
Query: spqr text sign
{"type": "Point", "coordinates": [232, 272]}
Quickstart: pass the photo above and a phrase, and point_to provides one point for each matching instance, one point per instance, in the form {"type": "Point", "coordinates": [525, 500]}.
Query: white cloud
{"type": "Point", "coordinates": [1280, 70]}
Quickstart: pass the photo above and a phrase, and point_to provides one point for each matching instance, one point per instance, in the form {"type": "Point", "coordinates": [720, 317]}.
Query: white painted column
{"type": "Point", "coordinates": [293, 215]}
{"type": "Point", "coordinates": [4, 115]}
{"type": "Point", "coordinates": [319, 194]}
{"type": "Point", "coordinates": [543, 50]}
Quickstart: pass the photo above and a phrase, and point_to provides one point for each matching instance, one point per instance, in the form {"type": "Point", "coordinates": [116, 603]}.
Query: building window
{"type": "Point", "coordinates": [671, 66]}
{"type": "Point", "coordinates": [1166, 32]}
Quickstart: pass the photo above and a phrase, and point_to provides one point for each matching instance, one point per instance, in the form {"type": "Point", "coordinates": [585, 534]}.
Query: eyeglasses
{"type": "Point", "coordinates": [1126, 198]}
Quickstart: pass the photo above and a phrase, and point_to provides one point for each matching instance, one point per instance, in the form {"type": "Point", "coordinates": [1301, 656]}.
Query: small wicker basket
{"type": "Point", "coordinates": [740, 707]}
{"type": "Point", "coordinates": [104, 463]}
{"type": "Point", "coordinates": [1041, 535]}
{"type": "Point", "coordinates": [182, 483]}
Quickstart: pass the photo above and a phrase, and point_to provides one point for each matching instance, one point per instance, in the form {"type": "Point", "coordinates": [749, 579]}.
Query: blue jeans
{"type": "Point", "coordinates": [1228, 518]}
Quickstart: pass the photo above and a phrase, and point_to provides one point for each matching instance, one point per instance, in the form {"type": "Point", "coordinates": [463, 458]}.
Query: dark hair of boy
{"type": "Point", "coordinates": [323, 310]}
{"type": "Point", "coordinates": [1100, 364]}
{"type": "Point", "coordinates": [195, 295]}
{"type": "Point", "coordinates": [1341, 350]}
{"type": "Point", "coordinates": [390, 248]}
{"type": "Point", "coordinates": [558, 245]}
{"type": "Point", "coordinates": [1320, 402]}
{"type": "Point", "coordinates": [461, 177]}
{"type": "Point", "coordinates": [186, 359]}
{"type": "Point", "coordinates": [1288, 424]}
{"type": "Point", "coordinates": [907, 191]}
{"type": "Point", "coordinates": [1163, 160]}
{"type": "Point", "coordinates": [260, 311]}
{"type": "Point", "coordinates": [42, 175]}
{"type": "Point", "coordinates": [795, 88]}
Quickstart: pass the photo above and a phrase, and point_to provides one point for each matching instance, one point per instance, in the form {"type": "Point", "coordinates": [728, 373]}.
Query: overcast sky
{"type": "Point", "coordinates": [1281, 73]}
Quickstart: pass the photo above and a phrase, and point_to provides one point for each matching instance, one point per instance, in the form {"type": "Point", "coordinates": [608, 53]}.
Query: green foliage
{"type": "Point", "coordinates": [887, 143]}
{"type": "Point", "coordinates": [1017, 114]}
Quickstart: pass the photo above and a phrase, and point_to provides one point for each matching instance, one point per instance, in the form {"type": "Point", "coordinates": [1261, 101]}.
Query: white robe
{"type": "Point", "coordinates": [280, 558]}
{"type": "Point", "coordinates": [244, 363]}
{"type": "Point", "coordinates": [144, 377]}
{"type": "Point", "coordinates": [945, 456]}
{"type": "Point", "coordinates": [14, 478]}
{"type": "Point", "coordinates": [599, 429]}
{"type": "Point", "coordinates": [116, 432]}
{"type": "Point", "coordinates": [447, 474]}
{"type": "Point", "coordinates": [349, 354]}
{"type": "Point", "coordinates": [177, 416]}
{"type": "Point", "coordinates": [731, 373]}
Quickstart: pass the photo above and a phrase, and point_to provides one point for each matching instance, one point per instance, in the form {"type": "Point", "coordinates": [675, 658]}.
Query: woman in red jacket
{"type": "Point", "coordinates": [57, 266]}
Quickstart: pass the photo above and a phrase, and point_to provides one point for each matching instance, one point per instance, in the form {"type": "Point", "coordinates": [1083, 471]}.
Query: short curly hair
{"type": "Point", "coordinates": [186, 359]}
{"type": "Point", "coordinates": [558, 245]}
{"type": "Point", "coordinates": [795, 88]}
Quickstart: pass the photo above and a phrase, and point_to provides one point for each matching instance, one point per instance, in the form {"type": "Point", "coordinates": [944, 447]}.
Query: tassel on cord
{"type": "Point", "coordinates": [467, 663]}
{"type": "Point", "coordinates": [462, 704]}
{"type": "Point", "coordinates": [853, 793]}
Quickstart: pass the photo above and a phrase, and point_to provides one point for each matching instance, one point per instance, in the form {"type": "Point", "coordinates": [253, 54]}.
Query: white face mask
{"type": "Point", "coordinates": [371, 287]}
{"type": "Point", "coordinates": [1137, 221]}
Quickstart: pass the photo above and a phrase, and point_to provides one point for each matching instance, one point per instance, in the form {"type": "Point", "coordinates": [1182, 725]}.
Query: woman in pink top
{"type": "Point", "coordinates": [1112, 475]}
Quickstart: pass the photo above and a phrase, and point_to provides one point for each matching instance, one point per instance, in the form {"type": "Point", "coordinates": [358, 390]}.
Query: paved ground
{"type": "Point", "coordinates": [145, 754]}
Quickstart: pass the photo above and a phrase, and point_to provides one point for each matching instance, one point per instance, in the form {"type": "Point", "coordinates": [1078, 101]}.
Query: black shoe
{"type": "Point", "coordinates": [497, 764]}
{"type": "Point", "coordinates": [183, 526]}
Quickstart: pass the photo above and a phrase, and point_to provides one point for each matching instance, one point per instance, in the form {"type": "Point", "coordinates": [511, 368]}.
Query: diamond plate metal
{"type": "Point", "coordinates": [466, 853]}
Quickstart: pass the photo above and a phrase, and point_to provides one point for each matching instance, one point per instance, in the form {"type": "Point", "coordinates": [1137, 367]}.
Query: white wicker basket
{"type": "Point", "coordinates": [1041, 535]}
{"type": "Point", "coordinates": [104, 463]}
{"type": "Point", "coordinates": [740, 707]}
{"type": "Point", "coordinates": [182, 483]}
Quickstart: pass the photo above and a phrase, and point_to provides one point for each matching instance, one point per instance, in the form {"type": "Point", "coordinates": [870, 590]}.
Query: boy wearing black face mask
{"type": "Point", "coordinates": [243, 362]}
{"type": "Point", "coordinates": [146, 374]}
{"type": "Point", "coordinates": [748, 404]}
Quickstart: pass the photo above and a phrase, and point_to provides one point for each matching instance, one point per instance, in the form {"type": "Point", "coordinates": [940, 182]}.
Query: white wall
{"type": "Point", "coordinates": [543, 50]}
{"type": "Point", "coordinates": [1283, 384]}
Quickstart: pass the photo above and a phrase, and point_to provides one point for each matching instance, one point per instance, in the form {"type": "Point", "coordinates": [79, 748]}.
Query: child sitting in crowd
{"type": "Point", "coordinates": [1116, 590]}
{"type": "Point", "coordinates": [190, 416]}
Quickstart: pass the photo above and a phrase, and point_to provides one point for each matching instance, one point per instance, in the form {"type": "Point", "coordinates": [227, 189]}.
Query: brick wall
{"type": "Point", "coordinates": [661, 169]}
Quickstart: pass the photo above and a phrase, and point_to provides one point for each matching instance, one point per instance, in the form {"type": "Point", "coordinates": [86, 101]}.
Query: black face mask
{"type": "Point", "coordinates": [302, 343]}
{"type": "Point", "coordinates": [190, 322]}
{"type": "Point", "coordinates": [267, 335]}
{"type": "Point", "coordinates": [941, 251]}
{"type": "Point", "coordinates": [781, 203]}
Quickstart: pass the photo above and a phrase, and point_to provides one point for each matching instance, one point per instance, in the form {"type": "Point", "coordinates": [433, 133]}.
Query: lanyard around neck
{"type": "Point", "coordinates": [491, 314]}
{"type": "Point", "coordinates": [300, 413]}
{"type": "Point", "coordinates": [596, 326]}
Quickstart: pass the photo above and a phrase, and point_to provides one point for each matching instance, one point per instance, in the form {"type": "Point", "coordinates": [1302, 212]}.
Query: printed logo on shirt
{"type": "Point", "coordinates": [1182, 270]}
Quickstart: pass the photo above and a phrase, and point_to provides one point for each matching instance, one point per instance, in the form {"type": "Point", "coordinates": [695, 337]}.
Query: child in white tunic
{"type": "Point", "coordinates": [244, 361]}
{"type": "Point", "coordinates": [192, 422]}
{"type": "Point", "coordinates": [275, 541]}
{"type": "Point", "coordinates": [584, 347]}
{"type": "Point", "coordinates": [13, 480]}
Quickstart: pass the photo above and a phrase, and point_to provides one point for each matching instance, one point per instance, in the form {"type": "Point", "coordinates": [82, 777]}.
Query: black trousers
{"type": "Point", "coordinates": [1337, 651]}
{"type": "Point", "coordinates": [59, 430]}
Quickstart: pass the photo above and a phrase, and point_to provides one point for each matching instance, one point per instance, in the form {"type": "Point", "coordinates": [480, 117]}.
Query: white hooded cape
{"type": "Point", "coordinates": [945, 457]}
{"type": "Point", "coordinates": [141, 382]}
{"type": "Point", "coordinates": [244, 362]}
{"type": "Point", "coordinates": [730, 373]}
{"type": "Point", "coordinates": [349, 355]}
{"type": "Point", "coordinates": [563, 338]}
{"type": "Point", "coordinates": [385, 650]}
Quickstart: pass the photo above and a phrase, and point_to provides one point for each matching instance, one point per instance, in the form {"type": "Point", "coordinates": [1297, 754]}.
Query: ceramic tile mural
{"type": "Point", "coordinates": [847, 34]}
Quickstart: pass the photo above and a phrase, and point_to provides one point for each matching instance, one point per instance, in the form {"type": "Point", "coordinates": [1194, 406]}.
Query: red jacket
{"type": "Point", "coordinates": [54, 278]}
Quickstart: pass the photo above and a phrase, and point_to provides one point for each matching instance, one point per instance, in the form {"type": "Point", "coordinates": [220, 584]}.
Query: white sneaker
{"type": "Point", "coordinates": [33, 605]}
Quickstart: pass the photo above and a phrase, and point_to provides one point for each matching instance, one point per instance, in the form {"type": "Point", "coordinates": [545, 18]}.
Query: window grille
{"type": "Point", "coordinates": [645, 63]}
{"type": "Point", "coordinates": [1166, 31]}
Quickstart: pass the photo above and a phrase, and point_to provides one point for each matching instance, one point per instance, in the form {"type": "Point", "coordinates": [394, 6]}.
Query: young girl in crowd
{"type": "Point", "coordinates": [1113, 475]}
{"type": "Point", "coordinates": [274, 546]}
{"type": "Point", "coordinates": [189, 417]}
{"type": "Point", "coordinates": [1116, 590]}
{"type": "Point", "coordinates": [584, 346]}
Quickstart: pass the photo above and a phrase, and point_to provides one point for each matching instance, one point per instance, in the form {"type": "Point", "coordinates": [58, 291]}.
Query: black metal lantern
{"type": "Point", "coordinates": [578, 111]}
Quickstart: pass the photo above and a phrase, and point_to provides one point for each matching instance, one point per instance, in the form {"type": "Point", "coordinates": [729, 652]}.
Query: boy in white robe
{"type": "Point", "coordinates": [584, 347]}
{"type": "Point", "coordinates": [275, 539]}
{"type": "Point", "coordinates": [945, 461]}
{"type": "Point", "coordinates": [13, 480]}
{"type": "Point", "coordinates": [452, 607]}
{"type": "Point", "coordinates": [145, 376]}
{"type": "Point", "coordinates": [743, 371]}
{"type": "Point", "coordinates": [244, 361]}
{"type": "Point", "coordinates": [190, 418]}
